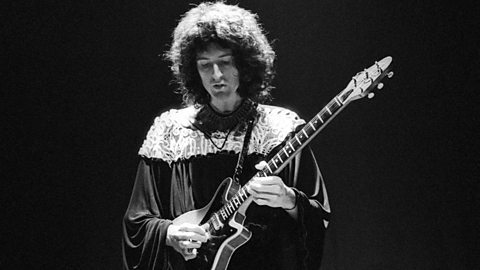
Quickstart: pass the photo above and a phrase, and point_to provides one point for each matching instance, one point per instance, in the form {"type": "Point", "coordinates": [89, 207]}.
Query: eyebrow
{"type": "Point", "coordinates": [220, 56]}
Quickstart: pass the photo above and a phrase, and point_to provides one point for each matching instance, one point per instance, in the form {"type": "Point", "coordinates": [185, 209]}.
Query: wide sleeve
{"type": "Point", "coordinates": [146, 220]}
{"type": "Point", "coordinates": [304, 176]}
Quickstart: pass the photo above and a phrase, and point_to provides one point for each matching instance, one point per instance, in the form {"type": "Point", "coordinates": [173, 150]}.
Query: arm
{"type": "Point", "coordinates": [299, 190]}
{"type": "Point", "coordinates": [147, 227]}
{"type": "Point", "coordinates": [313, 209]}
{"type": "Point", "coordinates": [145, 224]}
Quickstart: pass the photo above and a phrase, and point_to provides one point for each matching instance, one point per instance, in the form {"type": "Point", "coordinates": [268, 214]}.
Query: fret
{"type": "Point", "coordinates": [335, 105]}
{"type": "Point", "coordinates": [279, 157]}
{"type": "Point", "coordinates": [235, 201]}
{"type": "Point", "coordinates": [240, 194]}
{"type": "Point", "coordinates": [243, 194]}
{"type": "Point", "coordinates": [313, 127]}
{"type": "Point", "coordinates": [299, 142]}
{"type": "Point", "coordinates": [337, 101]}
{"type": "Point", "coordinates": [239, 199]}
{"type": "Point", "coordinates": [319, 117]}
{"type": "Point", "coordinates": [215, 218]}
{"type": "Point", "coordinates": [268, 167]}
{"type": "Point", "coordinates": [304, 132]}
{"type": "Point", "coordinates": [274, 163]}
{"type": "Point", "coordinates": [223, 214]}
{"type": "Point", "coordinates": [328, 110]}
{"type": "Point", "coordinates": [291, 146]}
{"type": "Point", "coordinates": [285, 151]}
{"type": "Point", "coordinates": [215, 221]}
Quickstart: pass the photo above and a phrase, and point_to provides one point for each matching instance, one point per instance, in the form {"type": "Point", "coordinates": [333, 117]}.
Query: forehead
{"type": "Point", "coordinates": [213, 51]}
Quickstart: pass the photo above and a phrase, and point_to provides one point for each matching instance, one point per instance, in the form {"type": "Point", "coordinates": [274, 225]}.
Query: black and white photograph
{"type": "Point", "coordinates": [224, 135]}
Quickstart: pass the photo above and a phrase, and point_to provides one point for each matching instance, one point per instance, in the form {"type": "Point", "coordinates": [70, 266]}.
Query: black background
{"type": "Point", "coordinates": [83, 81]}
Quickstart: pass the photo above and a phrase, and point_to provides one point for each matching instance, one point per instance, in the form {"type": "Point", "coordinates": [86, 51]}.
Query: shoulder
{"type": "Point", "coordinates": [173, 117]}
{"type": "Point", "coordinates": [171, 120]}
{"type": "Point", "coordinates": [274, 125]}
{"type": "Point", "coordinates": [168, 123]}
{"type": "Point", "coordinates": [279, 117]}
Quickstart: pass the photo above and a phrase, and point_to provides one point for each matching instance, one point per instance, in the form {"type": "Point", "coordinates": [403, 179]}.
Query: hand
{"type": "Point", "coordinates": [271, 191]}
{"type": "Point", "coordinates": [186, 238]}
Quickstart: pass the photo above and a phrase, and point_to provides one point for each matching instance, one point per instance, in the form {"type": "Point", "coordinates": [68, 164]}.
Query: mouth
{"type": "Point", "coordinates": [218, 86]}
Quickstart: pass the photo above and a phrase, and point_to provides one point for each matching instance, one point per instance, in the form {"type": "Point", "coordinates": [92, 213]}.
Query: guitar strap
{"type": "Point", "coordinates": [241, 157]}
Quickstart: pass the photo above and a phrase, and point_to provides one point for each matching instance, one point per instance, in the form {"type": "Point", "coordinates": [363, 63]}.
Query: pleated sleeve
{"type": "Point", "coordinates": [304, 176]}
{"type": "Point", "coordinates": [147, 218]}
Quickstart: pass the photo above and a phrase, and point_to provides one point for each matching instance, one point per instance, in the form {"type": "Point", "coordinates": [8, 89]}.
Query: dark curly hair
{"type": "Point", "coordinates": [230, 27]}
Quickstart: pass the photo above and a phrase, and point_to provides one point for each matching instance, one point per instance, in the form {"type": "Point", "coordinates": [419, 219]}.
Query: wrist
{"type": "Point", "coordinates": [292, 199]}
{"type": "Point", "coordinates": [168, 239]}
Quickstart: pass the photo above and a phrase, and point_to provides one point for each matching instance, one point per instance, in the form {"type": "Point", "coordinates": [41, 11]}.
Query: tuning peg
{"type": "Point", "coordinates": [390, 74]}
{"type": "Point", "coordinates": [380, 86]}
{"type": "Point", "coordinates": [371, 95]}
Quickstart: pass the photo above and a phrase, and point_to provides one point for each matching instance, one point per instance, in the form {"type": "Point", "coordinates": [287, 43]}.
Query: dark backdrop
{"type": "Point", "coordinates": [84, 81]}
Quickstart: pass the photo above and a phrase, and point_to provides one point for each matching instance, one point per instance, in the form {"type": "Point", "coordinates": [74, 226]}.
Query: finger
{"type": "Point", "coordinates": [191, 236]}
{"type": "Point", "coordinates": [194, 232]}
{"type": "Point", "coordinates": [190, 244]}
{"type": "Point", "coordinates": [261, 165]}
{"type": "Point", "coordinates": [189, 254]}
{"type": "Point", "coordinates": [268, 180]}
{"type": "Point", "coordinates": [266, 197]}
{"type": "Point", "coordinates": [192, 228]}
{"type": "Point", "coordinates": [192, 251]}
{"type": "Point", "coordinates": [206, 227]}
{"type": "Point", "coordinates": [261, 201]}
{"type": "Point", "coordinates": [269, 189]}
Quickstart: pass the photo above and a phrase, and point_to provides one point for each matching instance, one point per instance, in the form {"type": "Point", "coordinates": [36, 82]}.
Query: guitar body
{"type": "Point", "coordinates": [225, 238]}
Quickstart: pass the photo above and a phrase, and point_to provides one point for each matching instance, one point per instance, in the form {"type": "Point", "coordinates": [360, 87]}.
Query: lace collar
{"type": "Point", "coordinates": [209, 121]}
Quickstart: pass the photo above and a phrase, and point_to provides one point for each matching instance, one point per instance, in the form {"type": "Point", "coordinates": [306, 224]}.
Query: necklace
{"type": "Point", "coordinates": [209, 136]}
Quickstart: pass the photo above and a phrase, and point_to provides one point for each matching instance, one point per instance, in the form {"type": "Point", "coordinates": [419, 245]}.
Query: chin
{"type": "Point", "coordinates": [221, 91]}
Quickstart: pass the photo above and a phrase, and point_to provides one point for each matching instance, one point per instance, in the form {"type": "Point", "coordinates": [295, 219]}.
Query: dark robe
{"type": "Point", "coordinates": [180, 169]}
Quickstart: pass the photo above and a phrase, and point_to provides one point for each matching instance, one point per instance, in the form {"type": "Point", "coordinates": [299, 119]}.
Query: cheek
{"type": "Point", "coordinates": [203, 77]}
{"type": "Point", "coordinates": [235, 74]}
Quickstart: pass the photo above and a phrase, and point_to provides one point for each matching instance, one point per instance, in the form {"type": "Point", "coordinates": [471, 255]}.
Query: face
{"type": "Point", "coordinates": [218, 72]}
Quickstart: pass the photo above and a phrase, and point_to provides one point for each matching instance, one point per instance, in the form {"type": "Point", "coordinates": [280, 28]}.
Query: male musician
{"type": "Point", "coordinates": [223, 64]}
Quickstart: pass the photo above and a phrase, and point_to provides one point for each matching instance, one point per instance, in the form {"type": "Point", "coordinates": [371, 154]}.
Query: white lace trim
{"type": "Point", "coordinates": [171, 138]}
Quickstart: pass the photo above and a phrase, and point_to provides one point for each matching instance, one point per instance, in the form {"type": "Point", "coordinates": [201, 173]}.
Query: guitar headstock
{"type": "Point", "coordinates": [367, 81]}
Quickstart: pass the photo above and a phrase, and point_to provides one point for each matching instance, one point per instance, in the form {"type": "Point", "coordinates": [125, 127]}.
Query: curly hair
{"type": "Point", "coordinates": [230, 27]}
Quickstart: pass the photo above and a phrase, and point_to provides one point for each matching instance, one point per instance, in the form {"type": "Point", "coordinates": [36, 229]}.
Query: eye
{"type": "Point", "coordinates": [203, 65]}
{"type": "Point", "coordinates": [227, 61]}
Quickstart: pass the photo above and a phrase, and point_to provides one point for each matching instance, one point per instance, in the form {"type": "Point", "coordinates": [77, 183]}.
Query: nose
{"type": "Point", "coordinates": [217, 72]}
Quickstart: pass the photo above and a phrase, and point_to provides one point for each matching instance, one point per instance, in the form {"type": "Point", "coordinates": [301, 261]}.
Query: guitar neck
{"type": "Point", "coordinates": [281, 159]}
{"type": "Point", "coordinates": [303, 137]}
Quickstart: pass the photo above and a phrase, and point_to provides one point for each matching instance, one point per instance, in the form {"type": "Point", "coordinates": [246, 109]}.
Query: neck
{"type": "Point", "coordinates": [226, 106]}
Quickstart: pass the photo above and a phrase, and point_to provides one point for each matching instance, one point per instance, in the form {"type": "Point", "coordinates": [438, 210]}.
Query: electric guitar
{"type": "Point", "coordinates": [225, 213]}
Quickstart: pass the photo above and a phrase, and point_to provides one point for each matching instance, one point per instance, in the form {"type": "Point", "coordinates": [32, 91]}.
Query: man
{"type": "Point", "coordinates": [223, 65]}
